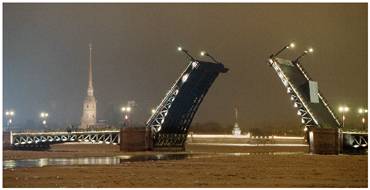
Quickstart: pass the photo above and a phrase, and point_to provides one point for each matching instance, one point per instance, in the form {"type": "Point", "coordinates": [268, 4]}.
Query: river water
{"type": "Point", "coordinates": [116, 160]}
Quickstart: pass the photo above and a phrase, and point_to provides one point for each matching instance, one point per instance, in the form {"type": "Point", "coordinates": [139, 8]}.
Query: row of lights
{"type": "Point", "coordinates": [344, 109]}
{"type": "Point", "coordinates": [202, 53]}
{"type": "Point", "coordinates": [126, 110]}
{"type": "Point", "coordinates": [291, 46]}
{"type": "Point", "coordinates": [9, 114]}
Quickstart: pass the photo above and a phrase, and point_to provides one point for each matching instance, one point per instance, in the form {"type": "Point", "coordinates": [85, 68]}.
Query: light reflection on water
{"type": "Point", "coordinates": [116, 160]}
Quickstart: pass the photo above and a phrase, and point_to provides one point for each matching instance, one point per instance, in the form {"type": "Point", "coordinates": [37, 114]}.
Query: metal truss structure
{"type": "Point", "coordinates": [295, 79]}
{"type": "Point", "coordinates": [313, 114]}
{"type": "Point", "coordinates": [171, 120]}
{"type": "Point", "coordinates": [354, 141]}
{"type": "Point", "coordinates": [98, 137]}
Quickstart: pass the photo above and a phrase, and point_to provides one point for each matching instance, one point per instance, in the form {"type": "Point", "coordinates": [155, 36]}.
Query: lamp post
{"type": "Point", "coordinates": [186, 52]}
{"type": "Point", "coordinates": [125, 115]}
{"type": "Point", "coordinates": [204, 53]}
{"type": "Point", "coordinates": [291, 45]}
{"type": "Point", "coordinates": [271, 58]}
{"type": "Point", "coordinates": [9, 118]}
{"type": "Point", "coordinates": [363, 113]}
{"type": "Point", "coordinates": [44, 116]}
{"type": "Point", "coordinates": [343, 110]}
{"type": "Point", "coordinates": [309, 50]}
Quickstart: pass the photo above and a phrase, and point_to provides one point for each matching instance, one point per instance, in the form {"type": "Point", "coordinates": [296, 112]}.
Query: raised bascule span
{"type": "Point", "coordinates": [297, 83]}
{"type": "Point", "coordinates": [313, 109]}
{"type": "Point", "coordinates": [171, 121]}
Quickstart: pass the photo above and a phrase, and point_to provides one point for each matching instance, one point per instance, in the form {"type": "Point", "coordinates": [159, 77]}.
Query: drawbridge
{"type": "Point", "coordinates": [172, 118]}
{"type": "Point", "coordinates": [312, 107]}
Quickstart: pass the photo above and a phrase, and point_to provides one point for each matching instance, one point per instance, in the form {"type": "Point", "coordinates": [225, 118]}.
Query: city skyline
{"type": "Point", "coordinates": [45, 57]}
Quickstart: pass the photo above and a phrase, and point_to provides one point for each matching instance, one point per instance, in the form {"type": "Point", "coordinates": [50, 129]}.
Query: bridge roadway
{"type": "Point", "coordinates": [357, 140]}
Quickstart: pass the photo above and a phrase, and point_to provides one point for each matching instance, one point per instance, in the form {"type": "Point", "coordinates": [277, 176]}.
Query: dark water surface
{"type": "Point", "coordinates": [116, 160]}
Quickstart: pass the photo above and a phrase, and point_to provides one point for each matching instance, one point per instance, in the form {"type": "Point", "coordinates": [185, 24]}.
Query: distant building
{"type": "Point", "coordinates": [236, 130]}
{"type": "Point", "coordinates": [89, 107]}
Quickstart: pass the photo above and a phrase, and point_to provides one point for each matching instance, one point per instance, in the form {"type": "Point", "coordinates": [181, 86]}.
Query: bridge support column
{"type": "Point", "coordinates": [136, 139]}
{"type": "Point", "coordinates": [324, 141]}
{"type": "Point", "coordinates": [7, 142]}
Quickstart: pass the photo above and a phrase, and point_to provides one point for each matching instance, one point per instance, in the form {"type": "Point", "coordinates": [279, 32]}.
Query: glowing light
{"type": "Point", "coordinates": [126, 117]}
{"type": "Point", "coordinates": [361, 111]}
{"type": "Point", "coordinates": [302, 120]}
{"type": "Point", "coordinates": [291, 45]}
{"type": "Point", "coordinates": [299, 113]}
{"type": "Point", "coordinates": [153, 111]}
{"type": "Point", "coordinates": [128, 109]}
{"type": "Point", "coordinates": [179, 48]}
{"type": "Point", "coordinates": [44, 122]}
{"type": "Point", "coordinates": [289, 90]}
{"type": "Point", "coordinates": [343, 109]}
{"type": "Point", "coordinates": [203, 53]}
{"type": "Point", "coordinates": [305, 129]}
{"type": "Point", "coordinates": [295, 105]}
{"type": "Point", "coordinates": [291, 98]}
{"type": "Point", "coordinates": [310, 50]}
{"type": "Point", "coordinates": [194, 64]}
{"type": "Point", "coordinates": [185, 78]}
{"type": "Point", "coordinates": [271, 61]}
{"type": "Point", "coordinates": [10, 121]}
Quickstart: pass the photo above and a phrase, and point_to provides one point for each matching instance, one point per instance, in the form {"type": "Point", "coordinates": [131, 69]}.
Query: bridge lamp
{"type": "Point", "coordinates": [153, 111]}
{"type": "Point", "coordinates": [186, 52]}
{"type": "Point", "coordinates": [9, 114]}
{"type": "Point", "coordinates": [305, 52]}
{"type": "Point", "coordinates": [204, 53]}
{"type": "Point", "coordinates": [343, 110]}
{"type": "Point", "coordinates": [125, 111]}
{"type": "Point", "coordinates": [363, 112]}
{"type": "Point", "coordinates": [299, 113]}
{"type": "Point", "coordinates": [289, 46]}
{"type": "Point", "coordinates": [128, 109]}
{"type": "Point", "coordinates": [289, 90]}
{"type": "Point", "coordinates": [43, 116]}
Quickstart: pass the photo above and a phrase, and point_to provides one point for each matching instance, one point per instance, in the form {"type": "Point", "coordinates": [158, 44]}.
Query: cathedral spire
{"type": "Point", "coordinates": [90, 89]}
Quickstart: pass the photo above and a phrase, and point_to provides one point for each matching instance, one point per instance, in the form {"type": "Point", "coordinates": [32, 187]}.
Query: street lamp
{"type": "Point", "coordinates": [44, 116]}
{"type": "Point", "coordinates": [125, 114]}
{"type": "Point", "coordinates": [363, 112]}
{"type": "Point", "coordinates": [308, 51]}
{"type": "Point", "coordinates": [181, 49]}
{"type": "Point", "coordinates": [289, 46]}
{"type": "Point", "coordinates": [204, 53]}
{"type": "Point", "coordinates": [9, 114]}
{"type": "Point", "coordinates": [343, 110]}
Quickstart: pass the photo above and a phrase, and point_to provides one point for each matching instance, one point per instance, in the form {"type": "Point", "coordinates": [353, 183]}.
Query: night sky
{"type": "Point", "coordinates": [45, 57]}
